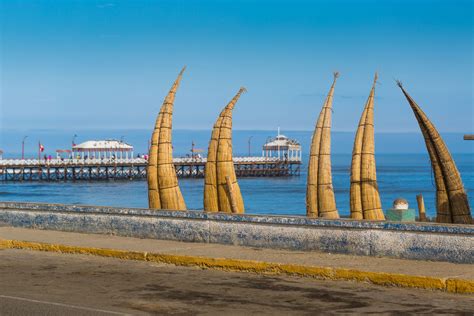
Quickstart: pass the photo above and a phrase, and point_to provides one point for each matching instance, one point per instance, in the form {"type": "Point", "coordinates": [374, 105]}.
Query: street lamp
{"type": "Point", "coordinates": [250, 139]}
{"type": "Point", "coordinates": [23, 148]}
{"type": "Point", "coordinates": [74, 140]}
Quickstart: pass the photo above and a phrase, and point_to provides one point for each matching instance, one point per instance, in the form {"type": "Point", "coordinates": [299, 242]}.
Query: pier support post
{"type": "Point", "coordinates": [421, 208]}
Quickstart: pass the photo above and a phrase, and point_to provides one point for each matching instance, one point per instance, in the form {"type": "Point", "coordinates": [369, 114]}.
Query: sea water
{"type": "Point", "coordinates": [403, 170]}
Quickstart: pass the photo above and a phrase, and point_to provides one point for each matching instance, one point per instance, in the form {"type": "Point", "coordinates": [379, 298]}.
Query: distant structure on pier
{"type": "Point", "coordinates": [282, 147]}
{"type": "Point", "coordinates": [63, 154]}
{"type": "Point", "coordinates": [103, 149]}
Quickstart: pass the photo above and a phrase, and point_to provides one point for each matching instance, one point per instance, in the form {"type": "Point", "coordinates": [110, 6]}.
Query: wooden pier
{"type": "Point", "coordinates": [135, 169]}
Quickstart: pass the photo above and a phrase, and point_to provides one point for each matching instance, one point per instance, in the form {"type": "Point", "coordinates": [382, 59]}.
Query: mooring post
{"type": "Point", "coordinates": [230, 189]}
{"type": "Point", "coordinates": [421, 208]}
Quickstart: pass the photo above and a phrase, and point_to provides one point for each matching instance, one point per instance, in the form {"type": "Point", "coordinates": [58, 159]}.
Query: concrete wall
{"type": "Point", "coordinates": [424, 241]}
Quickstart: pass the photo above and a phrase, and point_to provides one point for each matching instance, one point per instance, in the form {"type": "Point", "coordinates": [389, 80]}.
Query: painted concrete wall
{"type": "Point", "coordinates": [424, 241]}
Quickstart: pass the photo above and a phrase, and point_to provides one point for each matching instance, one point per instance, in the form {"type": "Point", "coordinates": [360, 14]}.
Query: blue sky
{"type": "Point", "coordinates": [108, 64]}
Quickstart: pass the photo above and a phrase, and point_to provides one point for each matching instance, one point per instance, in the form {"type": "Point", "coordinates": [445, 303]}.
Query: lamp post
{"type": "Point", "coordinates": [73, 143]}
{"type": "Point", "coordinates": [74, 140]}
{"type": "Point", "coordinates": [23, 148]}
{"type": "Point", "coordinates": [250, 139]}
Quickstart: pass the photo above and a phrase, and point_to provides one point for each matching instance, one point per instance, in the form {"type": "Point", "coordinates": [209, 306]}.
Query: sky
{"type": "Point", "coordinates": [68, 65]}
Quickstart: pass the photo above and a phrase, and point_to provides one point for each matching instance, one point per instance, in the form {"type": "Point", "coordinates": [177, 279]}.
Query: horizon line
{"type": "Point", "coordinates": [207, 130]}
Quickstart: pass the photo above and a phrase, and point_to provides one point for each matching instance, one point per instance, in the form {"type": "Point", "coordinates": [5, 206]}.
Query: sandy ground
{"type": "Point", "coordinates": [39, 283]}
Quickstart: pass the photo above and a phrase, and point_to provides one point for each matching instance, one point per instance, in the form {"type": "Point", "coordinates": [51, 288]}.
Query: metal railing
{"type": "Point", "coordinates": [108, 161]}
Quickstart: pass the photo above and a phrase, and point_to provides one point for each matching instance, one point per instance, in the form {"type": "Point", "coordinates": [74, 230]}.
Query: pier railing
{"type": "Point", "coordinates": [67, 162]}
{"type": "Point", "coordinates": [107, 161]}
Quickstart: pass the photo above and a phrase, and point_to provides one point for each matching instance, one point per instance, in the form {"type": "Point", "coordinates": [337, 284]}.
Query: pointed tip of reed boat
{"type": "Point", "coordinates": [399, 83]}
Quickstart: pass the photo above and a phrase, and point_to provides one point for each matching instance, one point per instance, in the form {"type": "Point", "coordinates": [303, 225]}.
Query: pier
{"type": "Point", "coordinates": [110, 159]}
{"type": "Point", "coordinates": [135, 168]}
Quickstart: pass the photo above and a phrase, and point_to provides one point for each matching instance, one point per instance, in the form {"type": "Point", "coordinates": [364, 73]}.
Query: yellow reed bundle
{"type": "Point", "coordinates": [219, 172]}
{"type": "Point", "coordinates": [211, 201]}
{"type": "Point", "coordinates": [152, 173]}
{"type": "Point", "coordinates": [443, 209]}
{"type": "Point", "coordinates": [320, 200]}
{"type": "Point", "coordinates": [163, 188]}
{"type": "Point", "coordinates": [451, 198]}
{"type": "Point", "coordinates": [356, 187]}
{"type": "Point", "coordinates": [232, 198]}
{"type": "Point", "coordinates": [364, 194]}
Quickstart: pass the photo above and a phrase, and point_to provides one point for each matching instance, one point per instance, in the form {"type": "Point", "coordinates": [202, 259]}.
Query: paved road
{"type": "Point", "coordinates": [35, 283]}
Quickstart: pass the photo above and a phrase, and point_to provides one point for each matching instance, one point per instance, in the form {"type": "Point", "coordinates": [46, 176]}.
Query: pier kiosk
{"type": "Point", "coordinates": [282, 147]}
{"type": "Point", "coordinates": [103, 149]}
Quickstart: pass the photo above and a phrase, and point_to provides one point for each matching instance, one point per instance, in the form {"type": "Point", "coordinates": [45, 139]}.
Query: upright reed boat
{"type": "Point", "coordinates": [364, 194]}
{"type": "Point", "coordinates": [452, 204]}
{"type": "Point", "coordinates": [221, 190]}
{"type": "Point", "coordinates": [320, 200]}
{"type": "Point", "coordinates": [163, 188]}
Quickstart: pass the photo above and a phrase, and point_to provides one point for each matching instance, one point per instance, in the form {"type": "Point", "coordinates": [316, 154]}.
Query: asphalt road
{"type": "Point", "coordinates": [39, 283]}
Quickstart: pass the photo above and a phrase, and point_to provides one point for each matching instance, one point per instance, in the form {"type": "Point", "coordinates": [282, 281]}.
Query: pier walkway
{"type": "Point", "coordinates": [135, 168]}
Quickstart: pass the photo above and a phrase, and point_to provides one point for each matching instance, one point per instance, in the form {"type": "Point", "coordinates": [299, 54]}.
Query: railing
{"type": "Point", "coordinates": [66, 162]}
{"type": "Point", "coordinates": [236, 159]}
{"type": "Point", "coordinates": [138, 161]}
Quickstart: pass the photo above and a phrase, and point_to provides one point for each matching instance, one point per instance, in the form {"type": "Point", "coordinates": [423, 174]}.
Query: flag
{"type": "Point", "coordinates": [41, 147]}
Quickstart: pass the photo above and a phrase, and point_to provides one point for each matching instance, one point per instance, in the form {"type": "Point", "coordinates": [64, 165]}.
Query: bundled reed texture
{"type": "Point", "coordinates": [163, 188]}
{"type": "Point", "coordinates": [364, 194]}
{"type": "Point", "coordinates": [320, 200]}
{"type": "Point", "coordinates": [451, 199]}
{"type": "Point", "coordinates": [219, 171]}
{"type": "Point", "coordinates": [152, 173]}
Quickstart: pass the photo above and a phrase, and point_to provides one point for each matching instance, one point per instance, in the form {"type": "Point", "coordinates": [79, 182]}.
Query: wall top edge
{"type": "Point", "coordinates": [257, 219]}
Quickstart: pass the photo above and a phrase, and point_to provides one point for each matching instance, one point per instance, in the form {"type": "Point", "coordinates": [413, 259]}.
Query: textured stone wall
{"type": "Point", "coordinates": [424, 241]}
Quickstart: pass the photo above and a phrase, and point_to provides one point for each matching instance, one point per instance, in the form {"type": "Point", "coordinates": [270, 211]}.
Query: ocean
{"type": "Point", "coordinates": [403, 170]}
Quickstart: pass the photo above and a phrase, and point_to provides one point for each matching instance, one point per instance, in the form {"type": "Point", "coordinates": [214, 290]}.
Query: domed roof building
{"type": "Point", "coordinates": [400, 204]}
{"type": "Point", "coordinates": [104, 149]}
{"type": "Point", "coordinates": [282, 147]}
